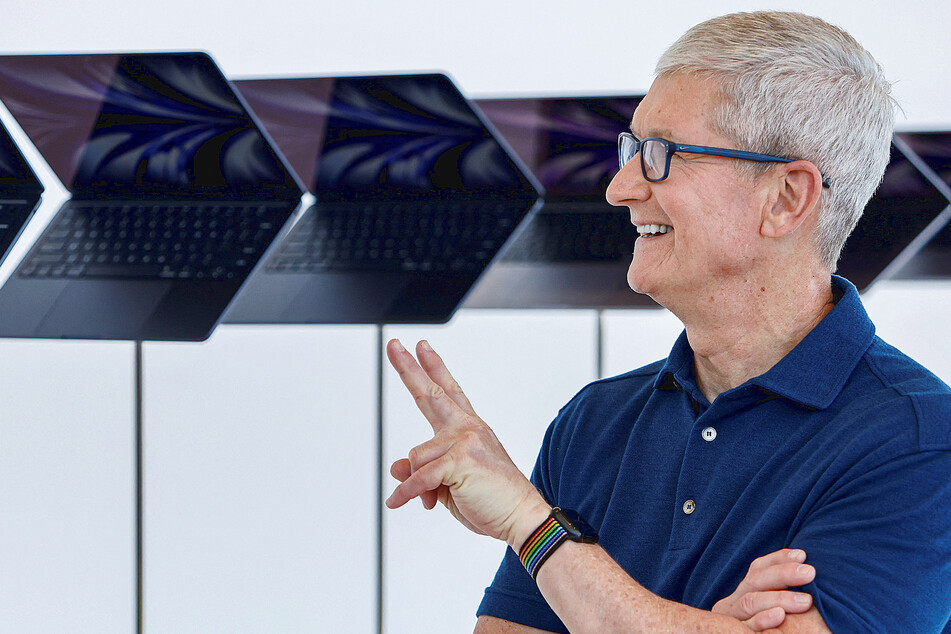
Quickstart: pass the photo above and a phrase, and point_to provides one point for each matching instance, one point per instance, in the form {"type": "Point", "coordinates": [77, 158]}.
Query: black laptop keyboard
{"type": "Point", "coordinates": [442, 236]}
{"type": "Point", "coordinates": [160, 241]}
{"type": "Point", "coordinates": [575, 237]}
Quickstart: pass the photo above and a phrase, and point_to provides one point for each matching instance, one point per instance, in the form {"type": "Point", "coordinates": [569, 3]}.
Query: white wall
{"type": "Point", "coordinates": [260, 456]}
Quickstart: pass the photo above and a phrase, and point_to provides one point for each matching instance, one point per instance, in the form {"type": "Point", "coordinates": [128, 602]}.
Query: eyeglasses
{"type": "Point", "coordinates": [656, 153]}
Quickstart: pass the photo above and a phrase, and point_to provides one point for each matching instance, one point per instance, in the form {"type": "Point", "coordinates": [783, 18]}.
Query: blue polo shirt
{"type": "Point", "coordinates": [842, 449]}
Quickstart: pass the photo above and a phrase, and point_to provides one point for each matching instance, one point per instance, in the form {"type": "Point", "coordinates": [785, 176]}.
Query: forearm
{"type": "Point", "coordinates": [590, 593]}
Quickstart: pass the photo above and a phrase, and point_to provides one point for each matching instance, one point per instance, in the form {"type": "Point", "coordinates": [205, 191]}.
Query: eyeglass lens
{"type": "Point", "coordinates": [626, 149]}
{"type": "Point", "coordinates": [654, 159]}
{"type": "Point", "coordinates": [653, 155]}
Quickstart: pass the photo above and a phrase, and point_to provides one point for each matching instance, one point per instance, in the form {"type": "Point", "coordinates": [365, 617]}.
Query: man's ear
{"type": "Point", "coordinates": [798, 195]}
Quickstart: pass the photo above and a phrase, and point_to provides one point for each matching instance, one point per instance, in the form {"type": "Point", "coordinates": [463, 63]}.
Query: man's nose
{"type": "Point", "coordinates": [628, 184]}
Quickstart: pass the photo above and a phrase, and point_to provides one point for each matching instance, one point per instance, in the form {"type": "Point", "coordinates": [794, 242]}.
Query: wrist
{"type": "Point", "coordinates": [559, 526]}
{"type": "Point", "coordinates": [527, 519]}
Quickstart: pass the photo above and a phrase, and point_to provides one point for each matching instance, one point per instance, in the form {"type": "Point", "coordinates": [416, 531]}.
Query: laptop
{"type": "Point", "coordinates": [20, 192]}
{"type": "Point", "coordinates": [908, 210]}
{"type": "Point", "coordinates": [414, 198]}
{"type": "Point", "coordinates": [576, 251]}
{"type": "Point", "coordinates": [175, 196]}
{"type": "Point", "coordinates": [933, 151]}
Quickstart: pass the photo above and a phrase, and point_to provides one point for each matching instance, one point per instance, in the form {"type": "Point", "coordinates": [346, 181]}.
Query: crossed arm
{"type": "Point", "coordinates": [465, 468]}
{"type": "Point", "coordinates": [761, 601]}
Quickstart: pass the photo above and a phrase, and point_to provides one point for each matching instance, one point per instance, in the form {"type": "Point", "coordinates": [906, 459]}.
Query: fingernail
{"type": "Point", "coordinates": [399, 346]}
{"type": "Point", "coordinates": [797, 555]}
{"type": "Point", "coordinates": [425, 345]}
{"type": "Point", "coordinates": [804, 569]}
{"type": "Point", "coordinates": [799, 597]}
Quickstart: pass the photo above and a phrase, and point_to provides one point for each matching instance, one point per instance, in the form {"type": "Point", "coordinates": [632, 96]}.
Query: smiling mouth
{"type": "Point", "coordinates": [647, 231]}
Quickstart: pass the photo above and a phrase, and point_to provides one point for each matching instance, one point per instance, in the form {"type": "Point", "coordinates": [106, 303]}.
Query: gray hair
{"type": "Point", "coordinates": [795, 86]}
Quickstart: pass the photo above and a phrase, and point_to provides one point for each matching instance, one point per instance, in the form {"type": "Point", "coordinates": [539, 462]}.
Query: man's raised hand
{"type": "Point", "coordinates": [463, 466]}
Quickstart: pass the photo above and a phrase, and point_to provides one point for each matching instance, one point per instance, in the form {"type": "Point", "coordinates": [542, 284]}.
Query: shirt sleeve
{"type": "Point", "coordinates": [881, 546]}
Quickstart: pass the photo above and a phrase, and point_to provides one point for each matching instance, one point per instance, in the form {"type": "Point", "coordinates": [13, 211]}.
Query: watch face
{"type": "Point", "coordinates": [578, 529]}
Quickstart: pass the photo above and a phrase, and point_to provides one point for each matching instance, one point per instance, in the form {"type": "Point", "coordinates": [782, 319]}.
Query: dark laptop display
{"type": "Point", "coordinates": [175, 196]}
{"type": "Point", "coordinates": [576, 251]}
{"type": "Point", "coordinates": [904, 214]}
{"type": "Point", "coordinates": [414, 194]}
{"type": "Point", "coordinates": [933, 150]}
{"type": "Point", "coordinates": [20, 192]}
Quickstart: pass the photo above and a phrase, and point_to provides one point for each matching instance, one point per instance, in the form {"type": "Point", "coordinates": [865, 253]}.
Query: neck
{"type": "Point", "coordinates": [742, 331]}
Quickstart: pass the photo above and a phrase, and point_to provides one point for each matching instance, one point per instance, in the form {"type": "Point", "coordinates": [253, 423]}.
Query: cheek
{"type": "Point", "coordinates": [723, 243]}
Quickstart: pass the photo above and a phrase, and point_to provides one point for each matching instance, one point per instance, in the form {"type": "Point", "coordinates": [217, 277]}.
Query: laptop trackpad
{"type": "Point", "coordinates": [346, 298]}
{"type": "Point", "coordinates": [102, 309]}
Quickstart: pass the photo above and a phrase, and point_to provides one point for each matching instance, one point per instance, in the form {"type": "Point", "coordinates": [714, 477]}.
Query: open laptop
{"type": "Point", "coordinates": [415, 196]}
{"type": "Point", "coordinates": [20, 192]}
{"type": "Point", "coordinates": [933, 150]}
{"type": "Point", "coordinates": [909, 208]}
{"type": "Point", "coordinates": [175, 195]}
{"type": "Point", "coordinates": [576, 251]}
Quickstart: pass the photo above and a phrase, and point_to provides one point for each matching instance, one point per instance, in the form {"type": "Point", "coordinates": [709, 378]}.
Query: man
{"type": "Point", "coordinates": [779, 421]}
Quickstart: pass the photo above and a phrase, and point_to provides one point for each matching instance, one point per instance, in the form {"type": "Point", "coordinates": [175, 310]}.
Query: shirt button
{"type": "Point", "coordinates": [689, 507]}
{"type": "Point", "coordinates": [709, 434]}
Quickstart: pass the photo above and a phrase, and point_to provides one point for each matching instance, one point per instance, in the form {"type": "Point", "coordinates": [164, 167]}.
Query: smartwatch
{"type": "Point", "coordinates": [561, 525]}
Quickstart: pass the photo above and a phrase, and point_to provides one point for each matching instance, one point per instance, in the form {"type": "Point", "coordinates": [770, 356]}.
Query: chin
{"type": "Point", "coordinates": [641, 282]}
{"type": "Point", "coordinates": [637, 280]}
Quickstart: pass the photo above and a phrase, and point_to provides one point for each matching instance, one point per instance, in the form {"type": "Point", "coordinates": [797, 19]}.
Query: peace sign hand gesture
{"type": "Point", "coordinates": [464, 466]}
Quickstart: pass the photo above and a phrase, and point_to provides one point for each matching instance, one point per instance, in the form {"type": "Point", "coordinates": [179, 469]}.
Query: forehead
{"type": "Point", "coordinates": [677, 108]}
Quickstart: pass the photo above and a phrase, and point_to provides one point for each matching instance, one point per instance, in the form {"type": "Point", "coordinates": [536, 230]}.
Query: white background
{"type": "Point", "coordinates": [260, 457]}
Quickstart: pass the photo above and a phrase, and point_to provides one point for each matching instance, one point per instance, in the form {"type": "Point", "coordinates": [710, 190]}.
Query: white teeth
{"type": "Point", "coordinates": [647, 230]}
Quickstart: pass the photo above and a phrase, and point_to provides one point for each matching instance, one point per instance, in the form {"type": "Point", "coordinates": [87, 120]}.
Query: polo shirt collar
{"type": "Point", "coordinates": [815, 371]}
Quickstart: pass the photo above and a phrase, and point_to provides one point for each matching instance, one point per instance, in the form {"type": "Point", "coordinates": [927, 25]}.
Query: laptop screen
{"type": "Point", "coordinates": [934, 259]}
{"type": "Point", "coordinates": [394, 137]}
{"type": "Point", "coordinates": [569, 143]}
{"type": "Point", "coordinates": [905, 206]}
{"type": "Point", "coordinates": [934, 148]}
{"type": "Point", "coordinates": [15, 172]}
{"type": "Point", "coordinates": [141, 125]}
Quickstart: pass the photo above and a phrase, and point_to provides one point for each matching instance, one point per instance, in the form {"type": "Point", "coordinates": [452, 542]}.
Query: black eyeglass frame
{"type": "Point", "coordinates": [672, 147]}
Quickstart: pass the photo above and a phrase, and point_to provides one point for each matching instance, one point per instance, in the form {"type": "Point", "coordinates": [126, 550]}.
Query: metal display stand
{"type": "Point", "coordinates": [139, 527]}
{"type": "Point", "coordinates": [599, 346]}
{"type": "Point", "coordinates": [380, 474]}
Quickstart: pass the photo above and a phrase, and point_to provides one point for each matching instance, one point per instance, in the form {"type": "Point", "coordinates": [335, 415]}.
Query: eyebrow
{"type": "Point", "coordinates": [664, 133]}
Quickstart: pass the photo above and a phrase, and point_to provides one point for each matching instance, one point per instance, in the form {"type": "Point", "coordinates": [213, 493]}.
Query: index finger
{"type": "Point", "coordinates": [433, 364]}
{"type": "Point", "coordinates": [430, 398]}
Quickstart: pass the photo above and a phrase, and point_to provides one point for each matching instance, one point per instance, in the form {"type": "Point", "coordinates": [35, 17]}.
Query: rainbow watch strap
{"type": "Point", "coordinates": [541, 544]}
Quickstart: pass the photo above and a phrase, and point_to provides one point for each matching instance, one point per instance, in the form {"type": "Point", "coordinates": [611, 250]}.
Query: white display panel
{"type": "Point", "coordinates": [67, 512]}
{"type": "Point", "coordinates": [260, 481]}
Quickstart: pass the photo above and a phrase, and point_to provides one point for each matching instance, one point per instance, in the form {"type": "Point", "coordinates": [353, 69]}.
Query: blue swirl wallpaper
{"type": "Point", "coordinates": [160, 123]}
{"type": "Point", "coordinates": [399, 135]}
